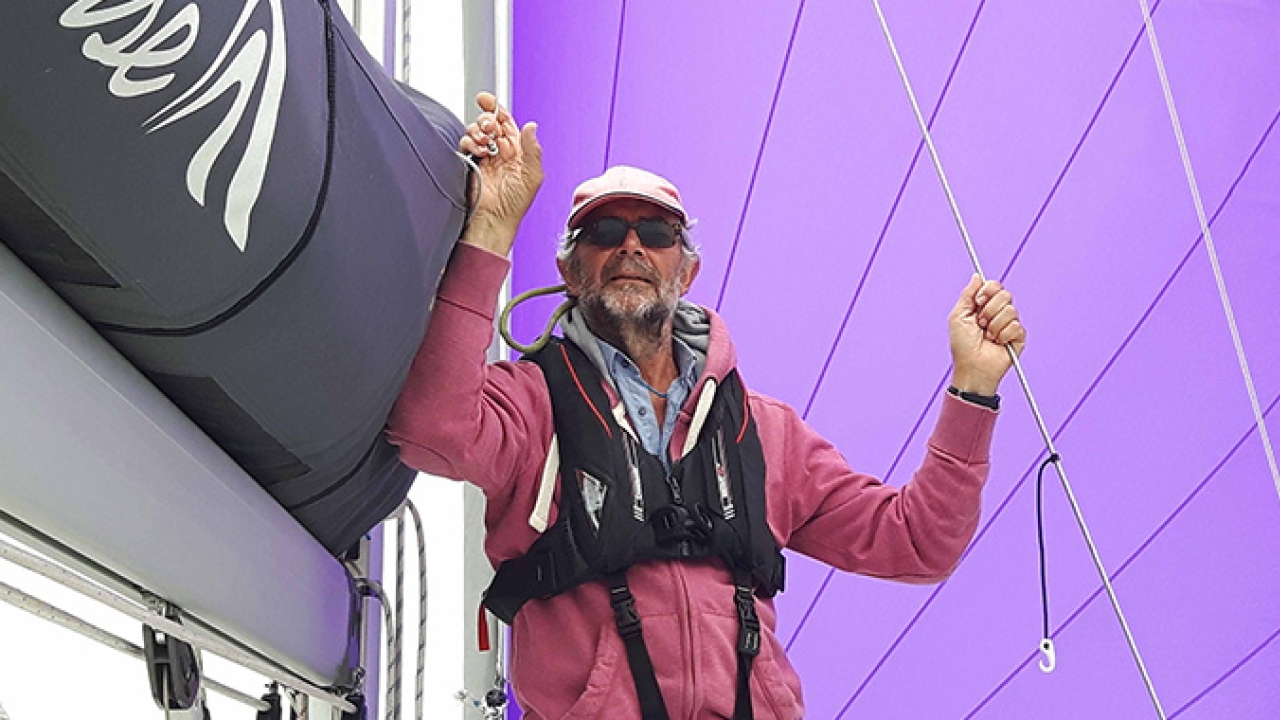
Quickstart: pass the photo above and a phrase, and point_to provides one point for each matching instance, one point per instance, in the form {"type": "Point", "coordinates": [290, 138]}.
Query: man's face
{"type": "Point", "coordinates": [629, 282]}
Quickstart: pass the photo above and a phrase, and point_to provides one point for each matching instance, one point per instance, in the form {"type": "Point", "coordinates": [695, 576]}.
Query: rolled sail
{"type": "Point", "coordinates": [237, 198]}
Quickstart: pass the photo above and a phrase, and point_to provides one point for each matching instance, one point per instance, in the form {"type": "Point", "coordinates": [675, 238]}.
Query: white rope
{"type": "Point", "coordinates": [51, 613]}
{"type": "Point", "coordinates": [1209, 244]}
{"type": "Point", "coordinates": [396, 681]}
{"type": "Point", "coordinates": [406, 36]}
{"type": "Point", "coordinates": [1026, 387]}
{"type": "Point", "coordinates": [419, 676]}
{"type": "Point", "coordinates": [196, 636]}
{"type": "Point", "coordinates": [928, 139]}
{"type": "Point", "coordinates": [389, 623]}
{"type": "Point", "coordinates": [394, 619]}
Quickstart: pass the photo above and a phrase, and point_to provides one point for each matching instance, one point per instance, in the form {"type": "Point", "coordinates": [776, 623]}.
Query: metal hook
{"type": "Point", "coordinates": [1050, 660]}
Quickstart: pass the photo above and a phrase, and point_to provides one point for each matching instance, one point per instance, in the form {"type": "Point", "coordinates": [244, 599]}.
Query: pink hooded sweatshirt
{"type": "Point", "coordinates": [491, 424]}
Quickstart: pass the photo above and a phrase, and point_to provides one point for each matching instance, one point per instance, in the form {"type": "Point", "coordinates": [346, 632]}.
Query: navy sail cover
{"type": "Point", "coordinates": [237, 197]}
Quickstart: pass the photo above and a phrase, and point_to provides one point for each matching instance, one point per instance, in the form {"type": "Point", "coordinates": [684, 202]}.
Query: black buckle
{"type": "Point", "coordinates": [748, 621]}
{"type": "Point", "coordinates": [670, 525]}
{"type": "Point", "coordinates": [624, 611]}
{"type": "Point", "coordinates": [557, 567]}
{"type": "Point", "coordinates": [674, 524]}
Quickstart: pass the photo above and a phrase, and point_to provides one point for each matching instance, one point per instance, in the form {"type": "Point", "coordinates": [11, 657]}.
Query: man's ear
{"type": "Point", "coordinates": [690, 272]}
{"type": "Point", "coordinates": [570, 279]}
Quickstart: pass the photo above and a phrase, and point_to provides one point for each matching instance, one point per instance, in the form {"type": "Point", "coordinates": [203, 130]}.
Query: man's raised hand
{"type": "Point", "coordinates": [509, 178]}
{"type": "Point", "coordinates": [983, 321]}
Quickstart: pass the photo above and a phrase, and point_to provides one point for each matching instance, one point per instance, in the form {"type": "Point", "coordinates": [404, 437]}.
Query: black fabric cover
{"type": "Point", "coordinates": [242, 202]}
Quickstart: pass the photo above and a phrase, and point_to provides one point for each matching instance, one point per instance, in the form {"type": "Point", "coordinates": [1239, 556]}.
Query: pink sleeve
{"type": "Point", "coordinates": [915, 533]}
{"type": "Point", "coordinates": [458, 416]}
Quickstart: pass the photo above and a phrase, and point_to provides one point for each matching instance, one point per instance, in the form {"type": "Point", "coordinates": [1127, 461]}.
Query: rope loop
{"type": "Point", "coordinates": [504, 320]}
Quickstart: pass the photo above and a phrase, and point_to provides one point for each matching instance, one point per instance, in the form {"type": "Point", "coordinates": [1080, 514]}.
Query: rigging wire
{"type": "Point", "coordinates": [500, 660]}
{"type": "Point", "coordinates": [56, 615]}
{"type": "Point", "coordinates": [1149, 24]}
{"type": "Point", "coordinates": [1061, 175]}
{"type": "Point", "coordinates": [1026, 388]}
{"type": "Point", "coordinates": [196, 636]}
{"type": "Point", "coordinates": [1272, 125]}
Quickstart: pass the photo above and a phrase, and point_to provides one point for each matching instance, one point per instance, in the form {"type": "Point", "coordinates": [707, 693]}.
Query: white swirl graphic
{"type": "Point", "coordinates": [260, 59]}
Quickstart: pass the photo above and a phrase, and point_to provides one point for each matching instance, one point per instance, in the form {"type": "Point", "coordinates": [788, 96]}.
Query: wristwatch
{"type": "Point", "coordinates": [986, 401]}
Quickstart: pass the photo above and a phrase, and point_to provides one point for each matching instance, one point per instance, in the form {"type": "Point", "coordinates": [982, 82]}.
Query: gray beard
{"type": "Point", "coordinates": [635, 320]}
{"type": "Point", "coordinates": [625, 327]}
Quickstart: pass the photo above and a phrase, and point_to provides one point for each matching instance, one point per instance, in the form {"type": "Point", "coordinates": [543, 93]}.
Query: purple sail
{"type": "Point", "coordinates": [830, 249]}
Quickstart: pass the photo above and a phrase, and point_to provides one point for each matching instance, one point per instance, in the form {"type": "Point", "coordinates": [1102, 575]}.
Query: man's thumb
{"type": "Point", "coordinates": [529, 140]}
{"type": "Point", "coordinates": [967, 301]}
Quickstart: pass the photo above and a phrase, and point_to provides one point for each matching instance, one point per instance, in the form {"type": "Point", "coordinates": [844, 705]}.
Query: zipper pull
{"type": "Point", "coordinates": [637, 487]}
{"type": "Point", "coordinates": [722, 476]}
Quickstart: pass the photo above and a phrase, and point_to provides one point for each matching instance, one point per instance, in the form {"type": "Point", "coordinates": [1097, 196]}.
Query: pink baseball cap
{"type": "Point", "coordinates": [623, 181]}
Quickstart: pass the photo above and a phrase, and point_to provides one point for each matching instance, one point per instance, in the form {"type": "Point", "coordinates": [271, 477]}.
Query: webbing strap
{"type": "Point", "coordinates": [627, 619]}
{"type": "Point", "coordinates": [552, 566]}
{"type": "Point", "coordinates": [748, 645]}
{"type": "Point", "coordinates": [742, 706]}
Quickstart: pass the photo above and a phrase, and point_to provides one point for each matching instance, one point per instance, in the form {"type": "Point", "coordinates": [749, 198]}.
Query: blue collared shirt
{"type": "Point", "coordinates": [635, 395]}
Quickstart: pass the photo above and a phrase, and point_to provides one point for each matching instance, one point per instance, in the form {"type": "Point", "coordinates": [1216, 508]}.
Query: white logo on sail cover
{"type": "Point", "coordinates": [239, 74]}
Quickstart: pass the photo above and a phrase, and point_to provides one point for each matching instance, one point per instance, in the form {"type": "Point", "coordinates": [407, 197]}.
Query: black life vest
{"type": "Point", "coordinates": [619, 506]}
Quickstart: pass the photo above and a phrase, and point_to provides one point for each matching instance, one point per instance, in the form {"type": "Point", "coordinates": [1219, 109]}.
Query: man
{"type": "Point", "coordinates": [638, 495]}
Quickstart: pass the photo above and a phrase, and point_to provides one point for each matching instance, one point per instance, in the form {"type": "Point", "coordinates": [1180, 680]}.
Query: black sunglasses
{"type": "Point", "coordinates": [610, 232]}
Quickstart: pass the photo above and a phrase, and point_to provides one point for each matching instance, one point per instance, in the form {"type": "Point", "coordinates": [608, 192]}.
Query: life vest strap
{"type": "Point", "coordinates": [744, 601]}
{"type": "Point", "coordinates": [627, 620]}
